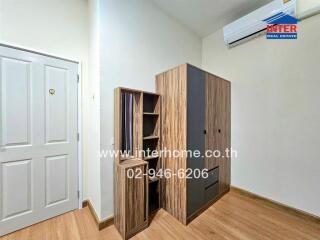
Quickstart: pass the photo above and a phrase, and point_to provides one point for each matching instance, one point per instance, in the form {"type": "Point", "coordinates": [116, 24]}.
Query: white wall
{"type": "Point", "coordinates": [93, 167]}
{"type": "Point", "coordinates": [137, 41]}
{"type": "Point", "coordinates": [304, 6]}
{"type": "Point", "coordinates": [58, 27]}
{"type": "Point", "coordinates": [275, 113]}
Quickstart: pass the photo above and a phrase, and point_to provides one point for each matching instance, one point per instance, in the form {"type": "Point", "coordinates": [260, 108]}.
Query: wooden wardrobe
{"type": "Point", "coordinates": [195, 115]}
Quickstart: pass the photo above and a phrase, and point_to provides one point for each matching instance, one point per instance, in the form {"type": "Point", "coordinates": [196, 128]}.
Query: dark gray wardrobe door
{"type": "Point", "coordinates": [195, 135]}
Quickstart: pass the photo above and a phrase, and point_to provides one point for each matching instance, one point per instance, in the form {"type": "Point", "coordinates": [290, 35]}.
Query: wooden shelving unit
{"type": "Point", "coordinates": [137, 127]}
{"type": "Point", "coordinates": [151, 141]}
{"type": "Point", "coordinates": [131, 193]}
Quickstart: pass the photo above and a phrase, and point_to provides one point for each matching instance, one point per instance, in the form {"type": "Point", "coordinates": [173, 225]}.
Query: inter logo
{"type": "Point", "coordinates": [282, 26]}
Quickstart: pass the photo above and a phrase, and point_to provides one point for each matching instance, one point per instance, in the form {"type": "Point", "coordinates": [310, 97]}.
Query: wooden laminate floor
{"type": "Point", "coordinates": [235, 216]}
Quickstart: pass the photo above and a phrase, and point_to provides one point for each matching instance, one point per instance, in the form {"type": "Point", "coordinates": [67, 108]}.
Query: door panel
{"type": "Point", "coordinates": [212, 119]}
{"type": "Point", "coordinates": [224, 134]}
{"type": "Point", "coordinates": [16, 200]}
{"type": "Point", "coordinates": [38, 138]}
{"type": "Point", "coordinates": [56, 104]}
{"type": "Point", "coordinates": [135, 200]}
{"type": "Point", "coordinates": [218, 124]}
{"type": "Point", "coordinates": [56, 179]}
{"type": "Point", "coordinates": [195, 136]}
{"type": "Point", "coordinates": [15, 89]}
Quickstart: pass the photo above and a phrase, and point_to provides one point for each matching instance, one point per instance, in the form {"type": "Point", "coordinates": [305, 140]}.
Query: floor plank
{"type": "Point", "coordinates": [234, 217]}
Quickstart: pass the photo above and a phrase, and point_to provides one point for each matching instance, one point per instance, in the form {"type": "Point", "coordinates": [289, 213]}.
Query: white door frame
{"type": "Point", "coordinates": [80, 164]}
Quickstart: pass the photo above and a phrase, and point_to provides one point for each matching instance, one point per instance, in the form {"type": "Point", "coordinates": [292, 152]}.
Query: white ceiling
{"type": "Point", "coordinates": [207, 16]}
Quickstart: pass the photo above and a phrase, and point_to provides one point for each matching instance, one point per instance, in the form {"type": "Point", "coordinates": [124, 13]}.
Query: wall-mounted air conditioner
{"type": "Point", "coordinates": [252, 25]}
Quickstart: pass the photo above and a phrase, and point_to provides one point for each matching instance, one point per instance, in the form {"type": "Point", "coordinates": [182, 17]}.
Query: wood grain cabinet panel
{"type": "Point", "coordinates": [172, 86]}
{"type": "Point", "coordinates": [224, 133]}
{"type": "Point", "coordinates": [212, 106]}
{"type": "Point", "coordinates": [131, 189]}
{"type": "Point", "coordinates": [218, 125]}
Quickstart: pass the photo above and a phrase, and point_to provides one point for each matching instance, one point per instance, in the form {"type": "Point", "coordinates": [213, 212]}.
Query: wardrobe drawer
{"type": "Point", "coordinates": [211, 192]}
{"type": "Point", "coordinates": [213, 177]}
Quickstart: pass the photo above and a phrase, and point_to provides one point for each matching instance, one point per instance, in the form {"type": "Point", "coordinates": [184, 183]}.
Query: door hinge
{"type": "Point", "coordinates": [78, 78]}
{"type": "Point", "coordinates": [78, 194]}
{"type": "Point", "coordinates": [78, 137]}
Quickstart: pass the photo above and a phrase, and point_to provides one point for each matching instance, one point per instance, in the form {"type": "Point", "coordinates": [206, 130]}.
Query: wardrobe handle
{"type": "Point", "coordinates": [204, 131]}
{"type": "Point", "coordinates": [219, 130]}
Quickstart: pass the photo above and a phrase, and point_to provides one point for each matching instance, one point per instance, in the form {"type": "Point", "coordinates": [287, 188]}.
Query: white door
{"type": "Point", "coordinates": [38, 138]}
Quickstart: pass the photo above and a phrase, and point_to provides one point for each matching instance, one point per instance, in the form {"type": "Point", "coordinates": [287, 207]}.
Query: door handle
{"type": "Point", "coordinates": [52, 91]}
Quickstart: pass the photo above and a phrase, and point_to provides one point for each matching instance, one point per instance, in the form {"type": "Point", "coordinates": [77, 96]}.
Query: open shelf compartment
{"type": "Point", "coordinates": [154, 197]}
{"type": "Point", "coordinates": [151, 103]}
{"type": "Point", "coordinates": [150, 126]}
